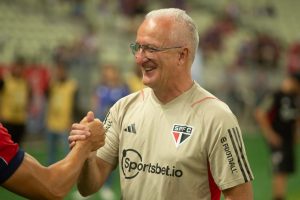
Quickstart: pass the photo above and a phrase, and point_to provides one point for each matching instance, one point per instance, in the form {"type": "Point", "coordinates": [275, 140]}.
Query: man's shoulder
{"type": "Point", "coordinates": [208, 104]}
{"type": "Point", "coordinates": [134, 98]}
{"type": "Point", "coordinates": [137, 96]}
{"type": "Point", "coordinates": [204, 99]}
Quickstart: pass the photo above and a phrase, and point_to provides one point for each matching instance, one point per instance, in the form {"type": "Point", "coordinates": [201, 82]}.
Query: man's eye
{"type": "Point", "coordinates": [151, 49]}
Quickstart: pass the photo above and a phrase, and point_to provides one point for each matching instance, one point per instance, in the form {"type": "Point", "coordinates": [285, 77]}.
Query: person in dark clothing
{"type": "Point", "coordinates": [278, 115]}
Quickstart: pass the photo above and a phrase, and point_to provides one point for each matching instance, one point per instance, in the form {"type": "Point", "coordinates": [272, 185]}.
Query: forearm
{"type": "Point", "coordinates": [35, 176]}
{"type": "Point", "coordinates": [265, 125]}
{"type": "Point", "coordinates": [90, 179]}
{"type": "Point", "coordinates": [267, 130]}
{"type": "Point", "coordinates": [243, 191]}
{"type": "Point", "coordinates": [65, 173]}
{"type": "Point", "coordinates": [52, 182]}
{"type": "Point", "coordinates": [94, 171]}
{"type": "Point", "coordinates": [69, 168]}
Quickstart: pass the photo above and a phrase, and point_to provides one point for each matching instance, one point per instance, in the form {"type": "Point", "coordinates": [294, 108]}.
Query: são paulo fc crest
{"type": "Point", "coordinates": [181, 133]}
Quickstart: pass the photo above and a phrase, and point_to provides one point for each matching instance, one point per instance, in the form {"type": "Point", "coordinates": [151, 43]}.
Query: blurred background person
{"type": "Point", "coordinates": [38, 76]}
{"type": "Point", "coordinates": [108, 91]}
{"type": "Point", "coordinates": [278, 115]}
{"type": "Point", "coordinates": [61, 109]}
{"type": "Point", "coordinates": [15, 95]}
{"type": "Point", "coordinates": [134, 79]}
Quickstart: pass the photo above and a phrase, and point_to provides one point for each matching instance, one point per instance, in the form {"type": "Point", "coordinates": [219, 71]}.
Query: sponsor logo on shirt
{"type": "Point", "coordinates": [133, 165]}
{"type": "Point", "coordinates": [181, 133]}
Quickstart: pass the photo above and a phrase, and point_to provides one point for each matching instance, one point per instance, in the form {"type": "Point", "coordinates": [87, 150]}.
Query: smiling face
{"type": "Point", "coordinates": [159, 69]}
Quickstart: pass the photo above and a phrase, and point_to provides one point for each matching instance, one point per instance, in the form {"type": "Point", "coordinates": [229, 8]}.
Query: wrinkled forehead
{"type": "Point", "coordinates": [156, 31]}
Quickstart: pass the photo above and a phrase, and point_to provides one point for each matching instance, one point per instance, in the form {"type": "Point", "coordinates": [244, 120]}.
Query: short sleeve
{"type": "Point", "coordinates": [109, 152]}
{"type": "Point", "coordinates": [11, 156]}
{"type": "Point", "coordinates": [228, 161]}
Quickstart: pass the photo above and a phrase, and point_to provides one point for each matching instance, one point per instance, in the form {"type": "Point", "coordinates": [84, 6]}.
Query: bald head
{"type": "Point", "coordinates": [182, 29]}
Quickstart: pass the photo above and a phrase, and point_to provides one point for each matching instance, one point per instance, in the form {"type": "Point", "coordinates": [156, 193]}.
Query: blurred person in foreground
{"type": "Point", "coordinates": [62, 96]}
{"type": "Point", "coordinates": [24, 175]}
{"type": "Point", "coordinates": [174, 139]}
{"type": "Point", "coordinates": [15, 97]}
{"type": "Point", "coordinates": [278, 115]}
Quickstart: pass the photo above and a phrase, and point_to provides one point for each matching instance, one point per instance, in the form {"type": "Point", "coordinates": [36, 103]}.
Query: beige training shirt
{"type": "Point", "coordinates": [190, 148]}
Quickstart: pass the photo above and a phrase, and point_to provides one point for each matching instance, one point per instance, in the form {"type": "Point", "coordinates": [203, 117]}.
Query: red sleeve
{"type": "Point", "coordinates": [8, 148]}
{"type": "Point", "coordinates": [11, 156]}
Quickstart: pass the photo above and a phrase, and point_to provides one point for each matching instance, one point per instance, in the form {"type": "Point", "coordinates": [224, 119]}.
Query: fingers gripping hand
{"type": "Point", "coordinates": [80, 131]}
{"type": "Point", "coordinates": [97, 137]}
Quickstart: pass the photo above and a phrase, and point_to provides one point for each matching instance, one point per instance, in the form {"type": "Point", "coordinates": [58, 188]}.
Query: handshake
{"type": "Point", "coordinates": [89, 131]}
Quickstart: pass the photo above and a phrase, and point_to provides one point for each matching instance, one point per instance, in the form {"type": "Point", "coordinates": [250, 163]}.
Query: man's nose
{"type": "Point", "coordinates": [140, 57]}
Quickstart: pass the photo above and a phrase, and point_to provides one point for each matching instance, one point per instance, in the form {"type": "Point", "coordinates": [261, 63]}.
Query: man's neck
{"type": "Point", "coordinates": [167, 94]}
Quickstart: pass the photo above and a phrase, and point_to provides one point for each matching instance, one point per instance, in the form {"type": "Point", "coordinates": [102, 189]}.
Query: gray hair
{"type": "Point", "coordinates": [182, 19]}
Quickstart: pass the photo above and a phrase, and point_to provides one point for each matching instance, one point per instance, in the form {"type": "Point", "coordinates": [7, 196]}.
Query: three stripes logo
{"type": "Point", "coordinates": [130, 129]}
{"type": "Point", "coordinates": [181, 133]}
{"type": "Point", "coordinates": [239, 151]}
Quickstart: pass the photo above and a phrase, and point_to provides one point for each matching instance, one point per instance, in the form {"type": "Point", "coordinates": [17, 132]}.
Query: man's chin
{"type": "Point", "coordinates": [148, 83]}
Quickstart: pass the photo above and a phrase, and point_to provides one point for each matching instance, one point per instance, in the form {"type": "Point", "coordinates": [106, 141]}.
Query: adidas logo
{"type": "Point", "coordinates": [130, 129]}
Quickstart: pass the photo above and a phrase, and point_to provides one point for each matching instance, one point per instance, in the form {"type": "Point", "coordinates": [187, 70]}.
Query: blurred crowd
{"type": "Point", "coordinates": [258, 60]}
{"type": "Point", "coordinates": [256, 65]}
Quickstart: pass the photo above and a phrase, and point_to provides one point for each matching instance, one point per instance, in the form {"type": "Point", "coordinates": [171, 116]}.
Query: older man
{"type": "Point", "coordinates": [172, 140]}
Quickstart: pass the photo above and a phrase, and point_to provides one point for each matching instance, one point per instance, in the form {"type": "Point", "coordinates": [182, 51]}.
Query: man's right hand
{"type": "Point", "coordinates": [97, 138]}
{"type": "Point", "coordinates": [89, 129]}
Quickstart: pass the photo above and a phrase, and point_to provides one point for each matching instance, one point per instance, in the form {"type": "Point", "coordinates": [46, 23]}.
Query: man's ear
{"type": "Point", "coordinates": [183, 56]}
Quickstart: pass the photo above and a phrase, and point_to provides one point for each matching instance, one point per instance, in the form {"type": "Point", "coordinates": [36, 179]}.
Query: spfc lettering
{"type": "Point", "coordinates": [180, 133]}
